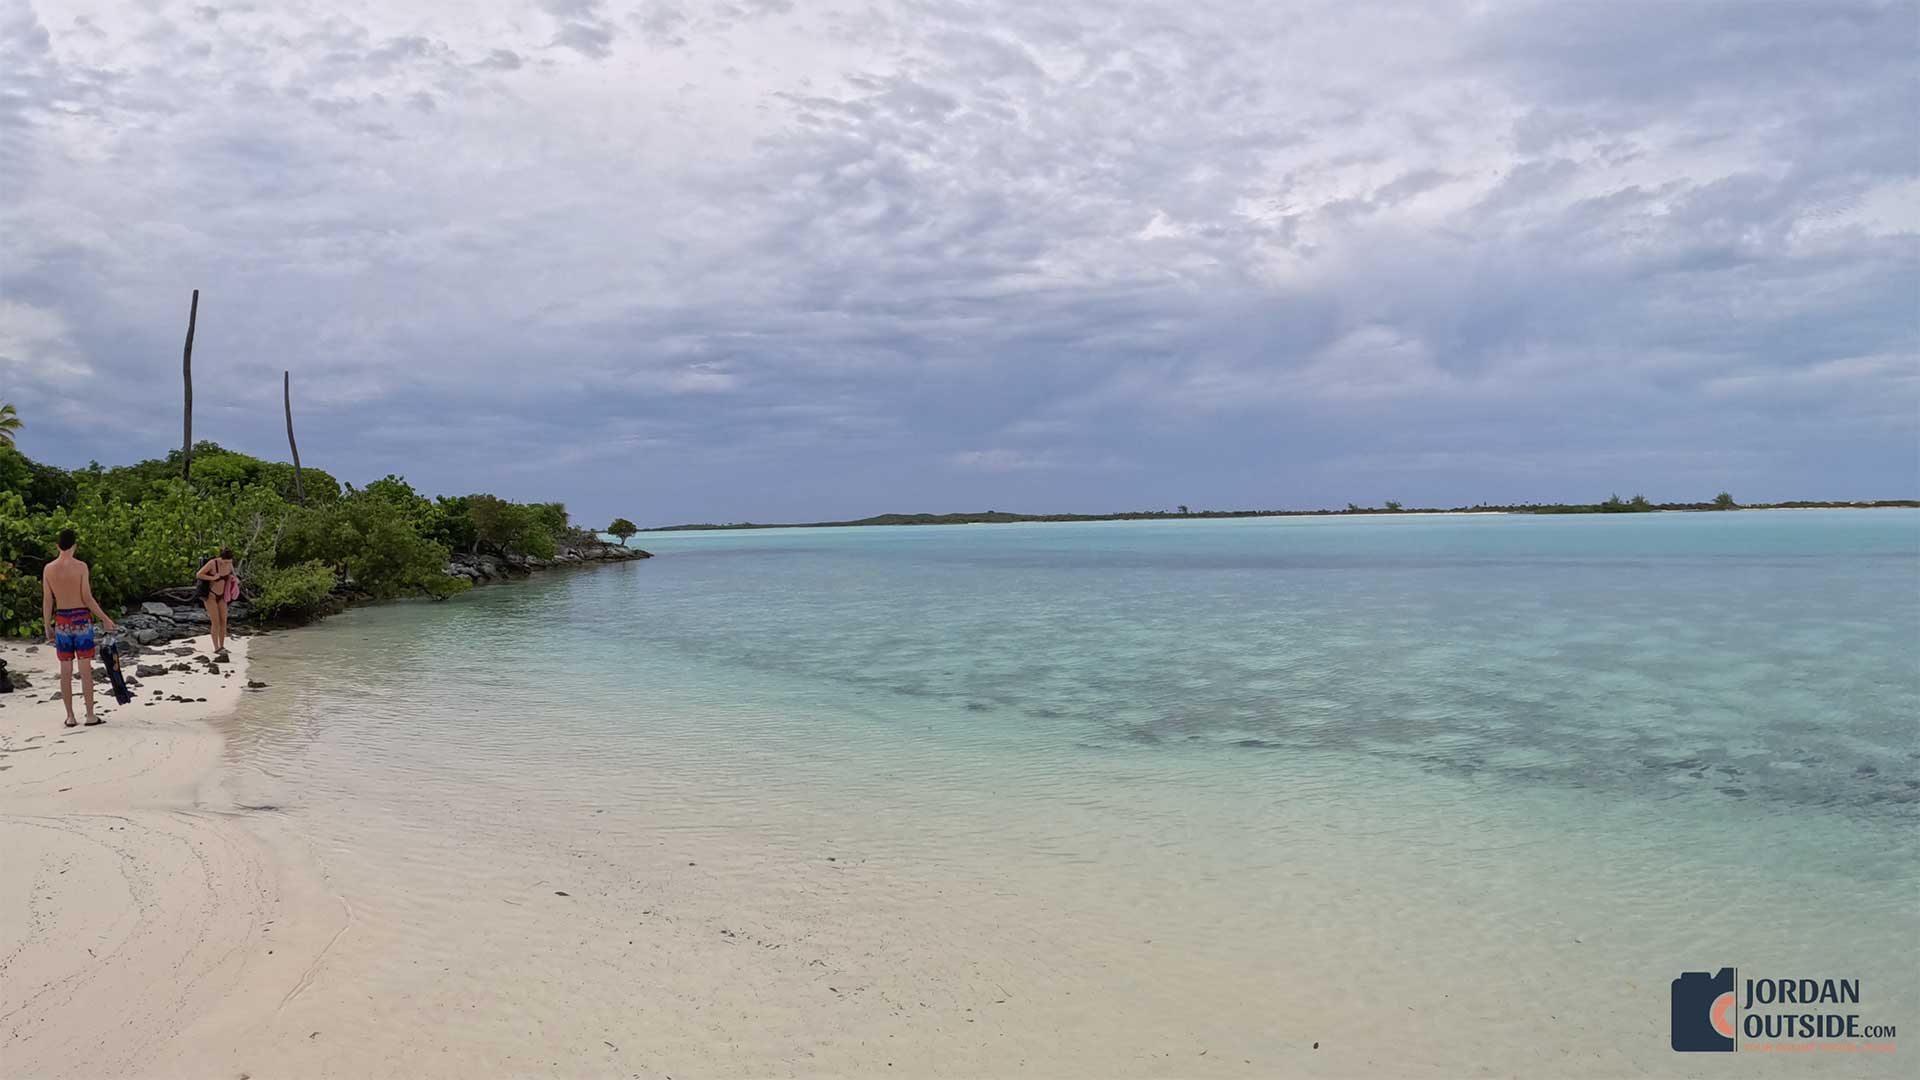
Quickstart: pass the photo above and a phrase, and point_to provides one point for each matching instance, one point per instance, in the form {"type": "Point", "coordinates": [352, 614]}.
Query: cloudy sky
{"type": "Point", "coordinates": [778, 259]}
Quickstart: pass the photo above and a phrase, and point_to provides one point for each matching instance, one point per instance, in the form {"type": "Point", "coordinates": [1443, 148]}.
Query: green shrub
{"type": "Point", "coordinates": [138, 548]}
{"type": "Point", "coordinates": [24, 553]}
{"type": "Point", "coordinates": [19, 603]}
{"type": "Point", "coordinates": [374, 537]}
{"type": "Point", "coordinates": [454, 525]}
{"type": "Point", "coordinates": [16, 472]}
{"type": "Point", "coordinates": [510, 528]}
{"type": "Point", "coordinates": [42, 487]}
{"type": "Point", "coordinates": [299, 589]}
{"type": "Point", "coordinates": [321, 487]}
{"type": "Point", "coordinates": [549, 516]}
{"type": "Point", "coordinates": [143, 528]}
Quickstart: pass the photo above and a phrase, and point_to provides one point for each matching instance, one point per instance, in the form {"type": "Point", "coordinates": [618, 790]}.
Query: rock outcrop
{"type": "Point", "coordinates": [483, 568]}
{"type": "Point", "coordinates": [156, 623]}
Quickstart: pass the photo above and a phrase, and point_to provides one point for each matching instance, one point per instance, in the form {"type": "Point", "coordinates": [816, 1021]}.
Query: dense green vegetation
{"type": "Point", "coordinates": [1613, 505]}
{"type": "Point", "coordinates": [143, 528]}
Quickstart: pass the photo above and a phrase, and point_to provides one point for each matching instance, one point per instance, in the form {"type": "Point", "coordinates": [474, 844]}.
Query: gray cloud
{"type": "Point", "coordinates": [501, 60]}
{"type": "Point", "coordinates": [583, 27]}
{"type": "Point", "coordinates": [759, 260]}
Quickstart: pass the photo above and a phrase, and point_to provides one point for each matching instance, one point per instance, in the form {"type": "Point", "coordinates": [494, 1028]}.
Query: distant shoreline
{"type": "Point", "coordinates": [994, 517]}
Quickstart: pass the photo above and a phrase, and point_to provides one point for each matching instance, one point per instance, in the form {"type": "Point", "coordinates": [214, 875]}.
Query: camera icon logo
{"type": "Point", "coordinates": [1703, 1007]}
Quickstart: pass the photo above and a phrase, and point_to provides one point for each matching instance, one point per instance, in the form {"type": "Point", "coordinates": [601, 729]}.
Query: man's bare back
{"type": "Point", "coordinates": [70, 581]}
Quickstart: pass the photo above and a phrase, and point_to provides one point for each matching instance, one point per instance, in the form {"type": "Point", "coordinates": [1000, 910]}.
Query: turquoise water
{"type": "Point", "coordinates": [1762, 657]}
{"type": "Point", "coordinates": [1473, 758]}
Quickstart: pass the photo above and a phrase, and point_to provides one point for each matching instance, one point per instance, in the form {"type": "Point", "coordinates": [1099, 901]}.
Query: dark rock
{"type": "Point", "coordinates": [157, 610]}
{"type": "Point", "coordinates": [256, 684]}
{"type": "Point", "coordinates": [149, 636]}
{"type": "Point", "coordinates": [148, 671]}
{"type": "Point", "coordinates": [180, 667]}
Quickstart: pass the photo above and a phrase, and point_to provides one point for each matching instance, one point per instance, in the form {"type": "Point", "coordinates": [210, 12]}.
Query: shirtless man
{"type": "Point", "coordinates": [66, 602]}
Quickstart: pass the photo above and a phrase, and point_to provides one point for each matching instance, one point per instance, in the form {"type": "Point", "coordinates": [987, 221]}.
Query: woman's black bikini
{"type": "Point", "coordinates": [203, 587]}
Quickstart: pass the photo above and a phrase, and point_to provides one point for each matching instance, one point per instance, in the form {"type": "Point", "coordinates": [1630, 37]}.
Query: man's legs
{"type": "Point", "coordinates": [66, 686]}
{"type": "Point", "coordinates": [86, 687]}
{"type": "Point", "coordinates": [73, 643]}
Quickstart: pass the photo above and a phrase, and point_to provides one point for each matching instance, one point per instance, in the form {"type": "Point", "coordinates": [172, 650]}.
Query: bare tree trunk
{"type": "Point", "coordinates": [186, 376]}
{"type": "Point", "coordinates": [286, 397]}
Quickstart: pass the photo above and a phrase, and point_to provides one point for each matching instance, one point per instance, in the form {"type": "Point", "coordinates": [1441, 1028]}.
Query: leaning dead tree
{"type": "Point", "coordinates": [186, 376]}
{"type": "Point", "coordinates": [286, 397]}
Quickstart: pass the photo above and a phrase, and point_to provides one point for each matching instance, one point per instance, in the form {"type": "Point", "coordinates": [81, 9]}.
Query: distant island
{"type": "Point", "coordinates": [1638, 504]}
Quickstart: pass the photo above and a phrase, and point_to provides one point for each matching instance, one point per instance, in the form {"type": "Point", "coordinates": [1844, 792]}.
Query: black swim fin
{"type": "Point", "coordinates": [110, 656]}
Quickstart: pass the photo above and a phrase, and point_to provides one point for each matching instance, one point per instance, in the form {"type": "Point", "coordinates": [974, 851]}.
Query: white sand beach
{"type": "Point", "coordinates": [135, 901]}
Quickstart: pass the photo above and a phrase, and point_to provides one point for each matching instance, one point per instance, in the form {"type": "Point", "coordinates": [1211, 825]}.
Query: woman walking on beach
{"type": "Point", "coordinates": [215, 585]}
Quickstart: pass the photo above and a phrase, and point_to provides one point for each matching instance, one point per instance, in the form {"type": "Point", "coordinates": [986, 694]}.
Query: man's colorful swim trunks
{"type": "Point", "coordinates": [73, 633]}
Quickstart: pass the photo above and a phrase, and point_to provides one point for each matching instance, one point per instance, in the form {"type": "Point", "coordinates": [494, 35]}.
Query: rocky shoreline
{"type": "Point", "coordinates": [480, 569]}
{"type": "Point", "coordinates": [173, 614]}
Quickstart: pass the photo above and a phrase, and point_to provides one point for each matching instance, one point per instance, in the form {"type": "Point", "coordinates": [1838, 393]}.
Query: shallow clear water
{"type": "Point", "coordinates": [1478, 759]}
